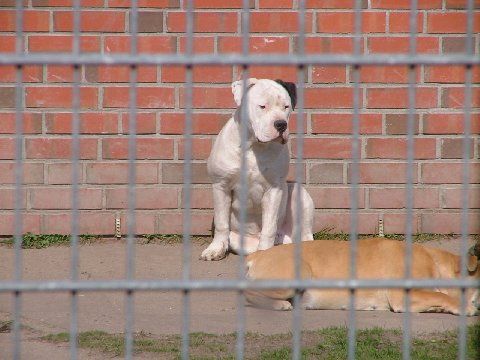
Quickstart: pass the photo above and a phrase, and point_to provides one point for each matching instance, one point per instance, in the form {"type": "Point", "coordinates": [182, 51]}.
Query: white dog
{"type": "Point", "coordinates": [271, 203]}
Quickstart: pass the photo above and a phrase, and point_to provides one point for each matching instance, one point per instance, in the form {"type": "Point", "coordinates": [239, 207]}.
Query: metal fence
{"type": "Point", "coordinates": [299, 59]}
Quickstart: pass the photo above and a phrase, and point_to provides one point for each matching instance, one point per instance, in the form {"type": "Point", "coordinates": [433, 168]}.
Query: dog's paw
{"type": "Point", "coordinates": [214, 252]}
{"type": "Point", "coordinates": [282, 305]}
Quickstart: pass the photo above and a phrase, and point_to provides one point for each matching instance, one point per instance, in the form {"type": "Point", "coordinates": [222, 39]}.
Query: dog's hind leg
{"type": "Point", "coordinates": [270, 299]}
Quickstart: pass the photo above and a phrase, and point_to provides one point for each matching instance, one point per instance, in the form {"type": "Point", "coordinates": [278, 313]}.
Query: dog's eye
{"type": "Point", "coordinates": [262, 106]}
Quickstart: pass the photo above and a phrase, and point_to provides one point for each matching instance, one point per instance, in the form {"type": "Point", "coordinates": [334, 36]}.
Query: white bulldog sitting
{"type": "Point", "coordinates": [271, 202]}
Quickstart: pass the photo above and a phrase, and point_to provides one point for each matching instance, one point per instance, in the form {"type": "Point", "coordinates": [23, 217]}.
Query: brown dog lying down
{"type": "Point", "coordinates": [377, 259]}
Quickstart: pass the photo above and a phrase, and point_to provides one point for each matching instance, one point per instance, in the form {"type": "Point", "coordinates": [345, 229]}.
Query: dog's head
{"type": "Point", "coordinates": [473, 267]}
{"type": "Point", "coordinates": [269, 104]}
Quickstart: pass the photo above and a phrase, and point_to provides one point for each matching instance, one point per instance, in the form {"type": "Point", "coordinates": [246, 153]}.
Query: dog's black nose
{"type": "Point", "coordinates": [280, 125]}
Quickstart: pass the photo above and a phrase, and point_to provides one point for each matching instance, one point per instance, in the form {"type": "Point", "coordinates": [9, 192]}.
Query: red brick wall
{"type": "Point", "coordinates": [161, 103]}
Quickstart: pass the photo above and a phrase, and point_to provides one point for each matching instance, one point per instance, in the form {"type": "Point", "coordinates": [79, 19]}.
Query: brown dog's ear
{"type": "Point", "coordinates": [291, 89]}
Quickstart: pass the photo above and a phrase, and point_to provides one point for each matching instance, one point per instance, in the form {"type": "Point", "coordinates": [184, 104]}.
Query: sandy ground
{"type": "Point", "coordinates": [159, 312]}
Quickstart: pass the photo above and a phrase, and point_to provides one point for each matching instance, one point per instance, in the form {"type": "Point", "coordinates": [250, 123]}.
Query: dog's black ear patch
{"type": "Point", "coordinates": [291, 89]}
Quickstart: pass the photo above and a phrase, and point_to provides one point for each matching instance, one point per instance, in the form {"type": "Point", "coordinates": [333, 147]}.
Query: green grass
{"type": "Point", "coordinates": [329, 343]}
{"type": "Point", "coordinates": [40, 241]}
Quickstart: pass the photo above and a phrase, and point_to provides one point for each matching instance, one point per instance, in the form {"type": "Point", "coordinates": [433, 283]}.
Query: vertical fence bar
{"type": "Point", "coordinates": [132, 155]}
{"type": "Point", "coordinates": [75, 164]}
{"type": "Point", "coordinates": [412, 68]}
{"type": "Point", "coordinates": [467, 111]}
{"type": "Point", "coordinates": [297, 314]}
{"type": "Point", "coordinates": [354, 180]}
{"type": "Point", "coordinates": [19, 201]}
{"type": "Point", "coordinates": [187, 170]}
{"type": "Point", "coordinates": [241, 312]}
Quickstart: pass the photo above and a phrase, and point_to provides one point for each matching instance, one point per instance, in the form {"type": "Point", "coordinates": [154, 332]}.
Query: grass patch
{"type": "Point", "coordinates": [40, 241]}
{"type": "Point", "coordinates": [328, 343]}
{"type": "Point", "coordinates": [6, 326]}
{"type": "Point", "coordinates": [171, 239]}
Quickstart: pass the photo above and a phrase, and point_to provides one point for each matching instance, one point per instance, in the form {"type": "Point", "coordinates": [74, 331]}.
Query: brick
{"type": "Point", "coordinates": [405, 4]}
{"type": "Point", "coordinates": [60, 74]}
{"type": "Point", "coordinates": [200, 198]}
{"type": "Point", "coordinates": [328, 123]}
{"type": "Point", "coordinates": [329, 74]}
{"type": "Point", "coordinates": [7, 97]}
{"type": "Point", "coordinates": [59, 97]}
{"type": "Point", "coordinates": [30, 223]}
{"type": "Point", "coordinates": [7, 148]}
{"type": "Point", "coordinates": [453, 148]}
{"type": "Point", "coordinates": [340, 222]}
{"type": "Point", "coordinates": [146, 44]}
{"type": "Point", "coordinates": [333, 4]}
{"type": "Point", "coordinates": [8, 198]}
{"type": "Point", "coordinates": [397, 124]}
{"type": "Point", "coordinates": [439, 124]}
{"type": "Point", "coordinates": [335, 97]}
{"type": "Point", "coordinates": [292, 173]}
{"type": "Point", "coordinates": [54, 148]}
{"type": "Point", "coordinates": [461, 4]}
{"type": "Point", "coordinates": [395, 148]}
{"type": "Point", "coordinates": [396, 223]}
{"type": "Point", "coordinates": [62, 43]}
{"type": "Point", "coordinates": [145, 223]}
{"type": "Point", "coordinates": [146, 123]}
{"type": "Point", "coordinates": [94, 223]}
{"type": "Point", "coordinates": [395, 198]}
{"type": "Point", "coordinates": [385, 74]}
{"type": "Point", "coordinates": [56, 198]}
{"type": "Point", "coordinates": [450, 74]}
{"type": "Point", "coordinates": [145, 74]}
{"type": "Point", "coordinates": [145, 198]}
{"type": "Point", "coordinates": [382, 173]}
{"type": "Point", "coordinates": [278, 22]}
{"type": "Point", "coordinates": [145, 3]}
{"type": "Point", "coordinates": [32, 123]}
{"type": "Point", "coordinates": [385, 98]}
{"type": "Point", "coordinates": [209, 98]}
{"type": "Point", "coordinates": [172, 223]}
{"type": "Point", "coordinates": [146, 148]}
{"type": "Point", "coordinates": [200, 73]}
{"type": "Point", "coordinates": [32, 173]}
{"type": "Point", "coordinates": [201, 44]}
{"type": "Point", "coordinates": [7, 43]}
{"type": "Point", "coordinates": [453, 44]}
{"type": "Point", "coordinates": [30, 74]}
{"type": "Point", "coordinates": [455, 97]}
{"type": "Point", "coordinates": [449, 223]}
{"type": "Point", "coordinates": [67, 3]}
{"type": "Point", "coordinates": [204, 22]}
{"type": "Point", "coordinates": [61, 173]}
{"type": "Point", "coordinates": [202, 123]}
{"type": "Point", "coordinates": [256, 44]}
{"type": "Point", "coordinates": [173, 173]}
{"type": "Point", "coordinates": [328, 44]}
{"type": "Point", "coordinates": [33, 20]}
{"type": "Point", "coordinates": [399, 22]}
{"type": "Point", "coordinates": [201, 148]}
{"type": "Point", "coordinates": [275, 4]}
{"type": "Point", "coordinates": [286, 73]}
{"type": "Point", "coordinates": [326, 173]}
{"type": "Point", "coordinates": [449, 173]}
{"type": "Point", "coordinates": [453, 198]}
{"type": "Point", "coordinates": [90, 123]}
{"type": "Point", "coordinates": [335, 197]}
{"type": "Point", "coordinates": [450, 22]}
{"type": "Point", "coordinates": [117, 173]}
{"type": "Point", "coordinates": [220, 4]}
{"type": "Point", "coordinates": [90, 21]}
{"type": "Point", "coordinates": [344, 22]}
{"type": "Point", "coordinates": [147, 97]}
{"type": "Point", "coordinates": [381, 44]}
{"type": "Point", "coordinates": [325, 148]}
{"type": "Point", "coordinates": [149, 21]}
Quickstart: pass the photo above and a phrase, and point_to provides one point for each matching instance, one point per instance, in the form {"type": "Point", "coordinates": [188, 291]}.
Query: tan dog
{"type": "Point", "coordinates": [377, 259]}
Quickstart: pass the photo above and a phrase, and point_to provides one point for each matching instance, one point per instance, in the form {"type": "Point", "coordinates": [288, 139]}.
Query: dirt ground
{"type": "Point", "coordinates": [160, 312]}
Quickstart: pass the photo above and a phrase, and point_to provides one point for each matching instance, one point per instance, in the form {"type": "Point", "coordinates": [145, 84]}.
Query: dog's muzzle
{"type": "Point", "coordinates": [280, 125]}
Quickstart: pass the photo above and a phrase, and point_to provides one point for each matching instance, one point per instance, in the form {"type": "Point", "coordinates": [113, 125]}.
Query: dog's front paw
{"type": "Point", "coordinates": [282, 305]}
{"type": "Point", "coordinates": [215, 251]}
